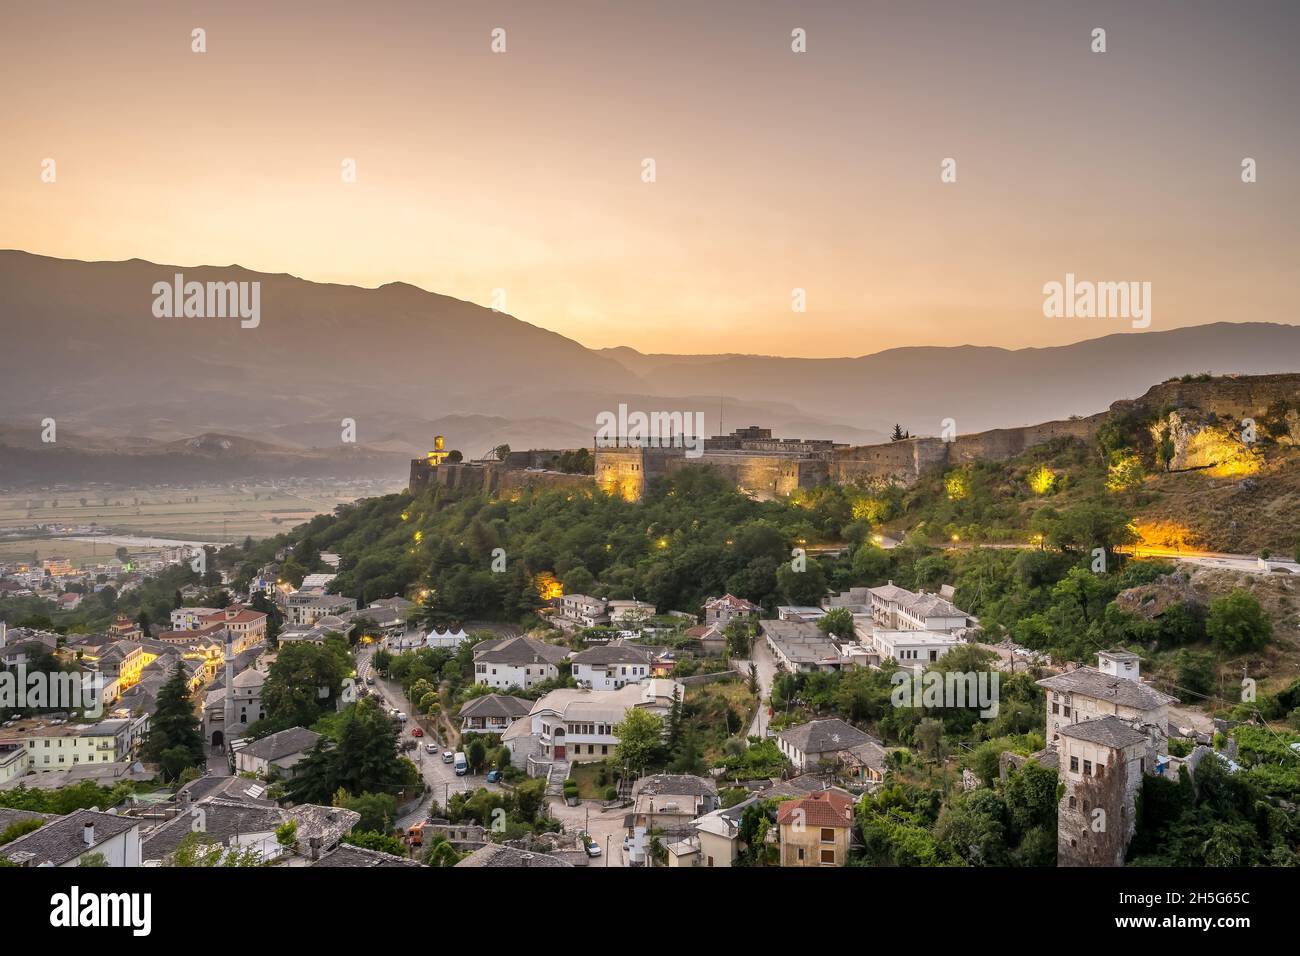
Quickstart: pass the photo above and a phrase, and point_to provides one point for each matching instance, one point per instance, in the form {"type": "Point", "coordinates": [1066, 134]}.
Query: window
{"type": "Point", "coordinates": [1072, 803]}
{"type": "Point", "coordinates": [801, 853]}
{"type": "Point", "coordinates": [1087, 768]}
{"type": "Point", "coordinates": [828, 856]}
{"type": "Point", "coordinates": [1074, 764]}
{"type": "Point", "coordinates": [1066, 710]}
{"type": "Point", "coordinates": [828, 834]}
{"type": "Point", "coordinates": [1056, 709]}
{"type": "Point", "coordinates": [1101, 770]}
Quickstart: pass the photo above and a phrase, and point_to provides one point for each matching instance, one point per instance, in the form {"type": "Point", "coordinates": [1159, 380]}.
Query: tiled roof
{"type": "Point", "coordinates": [826, 808]}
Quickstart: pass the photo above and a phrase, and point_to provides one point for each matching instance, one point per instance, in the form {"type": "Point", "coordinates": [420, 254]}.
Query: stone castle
{"type": "Point", "coordinates": [767, 467]}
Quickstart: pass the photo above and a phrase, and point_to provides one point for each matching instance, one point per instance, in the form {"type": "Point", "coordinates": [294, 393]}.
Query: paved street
{"type": "Point", "coordinates": [605, 828]}
{"type": "Point", "coordinates": [762, 656]}
{"type": "Point", "coordinates": [438, 776]}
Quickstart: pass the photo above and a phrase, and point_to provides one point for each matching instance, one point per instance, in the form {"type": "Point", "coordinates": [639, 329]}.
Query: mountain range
{"type": "Point", "coordinates": [82, 346]}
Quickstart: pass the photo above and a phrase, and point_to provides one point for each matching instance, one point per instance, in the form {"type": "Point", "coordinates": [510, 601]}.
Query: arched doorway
{"type": "Point", "coordinates": [558, 748]}
{"type": "Point", "coordinates": [218, 739]}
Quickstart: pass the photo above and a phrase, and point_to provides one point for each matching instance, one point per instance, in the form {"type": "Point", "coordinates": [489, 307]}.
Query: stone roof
{"type": "Point", "coordinates": [612, 654]}
{"type": "Point", "coordinates": [222, 820]}
{"type": "Point", "coordinates": [216, 820]}
{"type": "Point", "coordinates": [676, 784]}
{"type": "Point", "coordinates": [282, 744]}
{"type": "Point", "coordinates": [824, 736]}
{"type": "Point", "coordinates": [1091, 682]}
{"type": "Point", "coordinates": [360, 858]}
{"type": "Point", "coordinates": [495, 705]}
{"type": "Point", "coordinates": [63, 839]}
{"type": "Point", "coordinates": [494, 854]}
{"type": "Point", "coordinates": [227, 788]}
{"type": "Point", "coordinates": [1106, 731]}
{"type": "Point", "coordinates": [519, 651]}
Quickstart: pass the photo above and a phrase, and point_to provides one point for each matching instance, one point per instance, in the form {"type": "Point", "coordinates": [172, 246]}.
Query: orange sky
{"type": "Point", "coordinates": [776, 170]}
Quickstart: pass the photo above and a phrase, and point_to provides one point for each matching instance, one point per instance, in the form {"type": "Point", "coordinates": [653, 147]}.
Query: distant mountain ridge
{"type": "Point", "coordinates": [82, 346]}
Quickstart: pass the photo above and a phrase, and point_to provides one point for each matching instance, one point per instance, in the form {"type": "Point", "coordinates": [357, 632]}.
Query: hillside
{"type": "Point", "coordinates": [83, 346]}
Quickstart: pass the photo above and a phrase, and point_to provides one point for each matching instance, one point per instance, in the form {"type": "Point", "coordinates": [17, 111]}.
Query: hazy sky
{"type": "Point", "coordinates": [775, 170]}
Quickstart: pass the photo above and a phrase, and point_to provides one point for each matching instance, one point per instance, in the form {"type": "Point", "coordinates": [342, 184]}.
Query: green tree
{"type": "Point", "coordinates": [174, 740]}
{"type": "Point", "coordinates": [1237, 624]}
{"type": "Point", "coordinates": [640, 736]}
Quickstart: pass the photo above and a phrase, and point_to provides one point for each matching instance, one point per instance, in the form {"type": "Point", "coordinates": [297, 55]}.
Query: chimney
{"type": "Point", "coordinates": [313, 847]}
{"type": "Point", "coordinates": [88, 833]}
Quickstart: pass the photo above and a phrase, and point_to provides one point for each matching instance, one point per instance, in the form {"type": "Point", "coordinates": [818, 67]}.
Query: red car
{"type": "Point", "coordinates": [417, 732]}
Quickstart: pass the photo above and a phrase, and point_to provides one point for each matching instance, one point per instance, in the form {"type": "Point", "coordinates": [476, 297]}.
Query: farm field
{"type": "Point", "coordinates": [212, 513]}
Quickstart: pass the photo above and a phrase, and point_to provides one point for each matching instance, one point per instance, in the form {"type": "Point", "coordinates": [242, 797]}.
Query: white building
{"type": "Point", "coordinates": [585, 609]}
{"type": "Point", "coordinates": [611, 666]}
{"type": "Point", "coordinates": [65, 841]}
{"type": "Point", "coordinates": [1088, 693]}
{"type": "Point", "coordinates": [578, 724]}
{"type": "Point", "coordinates": [516, 662]}
{"type": "Point", "coordinates": [913, 649]}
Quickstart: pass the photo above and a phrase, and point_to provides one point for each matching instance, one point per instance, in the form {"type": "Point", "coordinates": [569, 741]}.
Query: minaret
{"type": "Point", "coordinates": [230, 689]}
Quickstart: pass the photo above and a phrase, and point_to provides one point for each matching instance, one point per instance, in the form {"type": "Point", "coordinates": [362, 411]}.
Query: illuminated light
{"type": "Point", "coordinates": [1156, 534]}
{"type": "Point", "coordinates": [548, 588]}
{"type": "Point", "coordinates": [419, 536]}
{"type": "Point", "coordinates": [406, 515]}
{"type": "Point", "coordinates": [1124, 472]}
{"type": "Point", "coordinates": [663, 542]}
{"type": "Point", "coordinates": [956, 538]}
{"type": "Point", "coordinates": [956, 485]}
{"type": "Point", "coordinates": [1041, 480]}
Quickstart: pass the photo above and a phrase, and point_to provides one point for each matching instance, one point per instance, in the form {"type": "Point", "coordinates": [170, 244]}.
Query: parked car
{"type": "Point", "coordinates": [417, 732]}
{"type": "Point", "coordinates": [593, 849]}
{"type": "Point", "coordinates": [462, 765]}
{"type": "Point", "coordinates": [493, 776]}
{"type": "Point", "coordinates": [370, 682]}
{"type": "Point", "coordinates": [448, 756]}
{"type": "Point", "coordinates": [431, 748]}
{"type": "Point", "coordinates": [401, 716]}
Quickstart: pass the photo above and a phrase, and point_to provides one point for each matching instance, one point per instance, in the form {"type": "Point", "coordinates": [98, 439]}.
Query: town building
{"type": "Point", "coordinates": [278, 753]}
{"type": "Point", "coordinates": [611, 666]}
{"type": "Point", "coordinates": [723, 610]}
{"type": "Point", "coordinates": [820, 742]}
{"type": "Point", "coordinates": [576, 725]}
{"type": "Point", "coordinates": [516, 662]}
{"type": "Point", "coordinates": [67, 840]}
{"type": "Point", "coordinates": [491, 713]}
{"type": "Point", "coordinates": [816, 830]}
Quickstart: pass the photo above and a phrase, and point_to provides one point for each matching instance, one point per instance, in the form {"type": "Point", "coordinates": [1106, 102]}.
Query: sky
{"type": "Point", "coordinates": [774, 170]}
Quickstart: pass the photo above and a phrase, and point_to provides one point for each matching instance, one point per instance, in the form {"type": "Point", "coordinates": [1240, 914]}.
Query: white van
{"type": "Point", "coordinates": [462, 766]}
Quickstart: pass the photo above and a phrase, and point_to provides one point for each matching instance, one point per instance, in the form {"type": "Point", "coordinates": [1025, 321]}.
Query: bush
{"type": "Point", "coordinates": [611, 793]}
